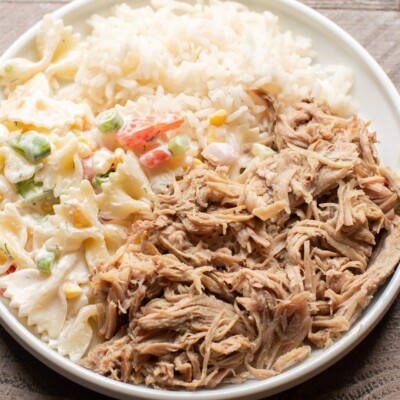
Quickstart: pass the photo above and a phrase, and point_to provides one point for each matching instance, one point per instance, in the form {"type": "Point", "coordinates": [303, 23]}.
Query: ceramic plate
{"type": "Point", "coordinates": [377, 100]}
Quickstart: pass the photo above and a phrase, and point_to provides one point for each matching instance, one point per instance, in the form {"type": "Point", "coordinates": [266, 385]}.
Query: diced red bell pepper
{"type": "Point", "coordinates": [155, 157]}
{"type": "Point", "coordinates": [11, 269]}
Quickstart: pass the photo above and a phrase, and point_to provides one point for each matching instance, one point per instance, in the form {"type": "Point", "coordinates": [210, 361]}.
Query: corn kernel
{"type": "Point", "coordinates": [82, 139]}
{"type": "Point", "coordinates": [218, 118]}
{"type": "Point", "coordinates": [118, 156]}
{"type": "Point", "coordinates": [102, 161]}
{"type": "Point", "coordinates": [79, 217]}
{"type": "Point", "coordinates": [84, 151]}
{"type": "Point", "coordinates": [72, 291]}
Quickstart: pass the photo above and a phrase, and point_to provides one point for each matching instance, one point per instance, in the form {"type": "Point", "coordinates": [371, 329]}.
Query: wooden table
{"type": "Point", "coordinates": [372, 370]}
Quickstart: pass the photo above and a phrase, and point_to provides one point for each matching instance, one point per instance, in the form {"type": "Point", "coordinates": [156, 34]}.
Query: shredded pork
{"type": "Point", "coordinates": [231, 278]}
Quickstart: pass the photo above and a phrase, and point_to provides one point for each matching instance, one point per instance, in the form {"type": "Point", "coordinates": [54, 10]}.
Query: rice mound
{"type": "Point", "coordinates": [194, 59]}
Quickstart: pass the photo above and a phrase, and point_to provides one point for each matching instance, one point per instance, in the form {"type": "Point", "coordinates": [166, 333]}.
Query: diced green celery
{"type": "Point", "coordinates": [45, 260]}
{"type": "Point", "coordinates": [98, 180]}
{"type": "Point", "coordinates": [261, 151]}
{"type": "Point", "coordinates": [109, 121]}
{"type": "Point", "coordinates": [30, 190]}
{"type": "Point", "coordinates": [32, 145]}
{"type": "Point", "coordinates": [179, 145]}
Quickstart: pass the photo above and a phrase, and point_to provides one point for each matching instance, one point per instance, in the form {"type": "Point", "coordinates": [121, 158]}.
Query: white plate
{"type": "Point", "coordinates": [378, 101]}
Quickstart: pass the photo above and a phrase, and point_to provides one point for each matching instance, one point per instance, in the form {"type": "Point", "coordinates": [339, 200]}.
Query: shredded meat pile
{"type": "Point", "coordinates": [235, 278]}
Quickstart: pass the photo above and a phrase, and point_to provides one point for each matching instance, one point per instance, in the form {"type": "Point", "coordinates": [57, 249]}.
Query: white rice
{"type": "Point", "coordinates": [194, 59]}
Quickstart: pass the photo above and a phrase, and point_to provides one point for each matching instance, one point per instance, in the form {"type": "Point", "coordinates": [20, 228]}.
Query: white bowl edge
{"type": "Point", "coordinates": [255, 389]}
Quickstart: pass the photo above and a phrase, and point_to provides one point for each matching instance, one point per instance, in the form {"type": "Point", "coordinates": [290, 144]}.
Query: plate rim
{"type": "Point", "coordinates": [267, 387]}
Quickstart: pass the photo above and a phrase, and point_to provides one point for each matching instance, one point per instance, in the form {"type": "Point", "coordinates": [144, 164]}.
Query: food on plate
{"type": "Point", "coordinates": [229, 278]}
{"type": "Point", "coordinates": [186, 197]}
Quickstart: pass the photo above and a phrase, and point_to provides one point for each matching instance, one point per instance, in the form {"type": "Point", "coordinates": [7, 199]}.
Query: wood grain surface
{"type": "Point", "coordinates": [369, 372]}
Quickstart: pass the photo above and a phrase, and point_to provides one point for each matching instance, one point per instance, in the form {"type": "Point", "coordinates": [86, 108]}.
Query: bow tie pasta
{"type": "Point", "coordinates": [57, 47]}
{"type": "Point", "coordinates": [68, 193]}
{"type": "Point", "coordinates": [13, 240]}
{"type": "Point", "coordinates": [33, 105]}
